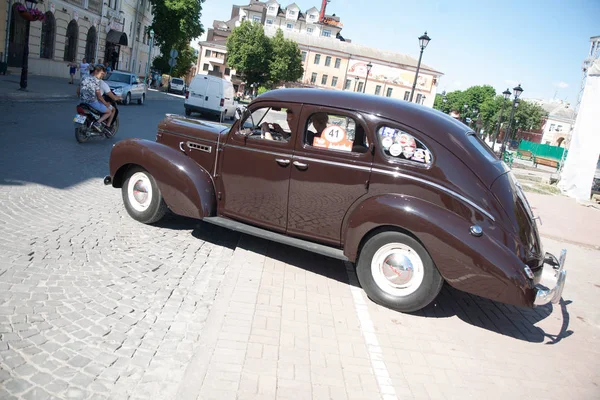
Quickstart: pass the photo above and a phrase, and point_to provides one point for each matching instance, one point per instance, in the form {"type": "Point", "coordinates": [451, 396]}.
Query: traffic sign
{"type": "Point", "coordinates": [174, 53]}
{"type": "Point", "coordinates": [172, 62]}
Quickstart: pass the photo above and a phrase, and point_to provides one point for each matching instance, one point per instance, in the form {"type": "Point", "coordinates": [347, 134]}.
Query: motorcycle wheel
{"type": "Point", "coordinates": [115, 128]}
{"type": "Point", "coordinates": [80, 134]}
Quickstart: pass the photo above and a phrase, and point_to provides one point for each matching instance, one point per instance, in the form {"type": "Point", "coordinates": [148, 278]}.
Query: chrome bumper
{"type": "Point", "coordinates": [554, 273]}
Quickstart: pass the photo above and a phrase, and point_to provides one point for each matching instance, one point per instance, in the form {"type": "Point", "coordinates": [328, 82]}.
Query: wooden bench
{"type": "Point", "coordinates": [524, 155]}
{"type": "Point", "coordinates": [550, 162]}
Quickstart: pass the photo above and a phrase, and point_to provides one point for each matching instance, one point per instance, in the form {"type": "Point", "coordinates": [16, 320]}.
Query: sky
{"type": "Point", "coordinates": [539, 44]}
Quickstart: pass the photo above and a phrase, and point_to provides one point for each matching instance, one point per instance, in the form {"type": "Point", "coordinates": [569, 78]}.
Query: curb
{"type": "Point", "coordinates": [37, 99]}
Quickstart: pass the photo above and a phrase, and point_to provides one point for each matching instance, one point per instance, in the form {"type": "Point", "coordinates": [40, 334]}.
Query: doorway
{"type": "Point", "coordinates": [16, 41]}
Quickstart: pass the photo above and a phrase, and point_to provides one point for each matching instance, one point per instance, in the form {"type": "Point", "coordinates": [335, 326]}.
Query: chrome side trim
{"type": "Point", "coordinates": [435, 185]}
{"type": "Point", "coordinates": [235, 146]}
{"type": "Point", "coordinates": [335, 163]}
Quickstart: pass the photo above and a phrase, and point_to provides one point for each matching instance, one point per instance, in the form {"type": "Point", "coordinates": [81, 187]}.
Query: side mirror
{"type": "Point", "coordinates": [240, 112]}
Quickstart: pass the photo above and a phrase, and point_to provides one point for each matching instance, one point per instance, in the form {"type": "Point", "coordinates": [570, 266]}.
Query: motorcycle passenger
{"type": "Point", "coordinates": [105, 89]}
{"type": "Point", "coordinates": [90, 93]}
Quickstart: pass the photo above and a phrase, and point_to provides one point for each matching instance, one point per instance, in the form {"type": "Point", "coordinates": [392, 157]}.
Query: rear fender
{"type": "Point", "coordinates": [480, 265]}
{"type": "Point", "coordinates": [187, 188]}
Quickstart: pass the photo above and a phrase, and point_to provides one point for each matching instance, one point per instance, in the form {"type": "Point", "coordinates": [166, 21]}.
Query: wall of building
{"type": "Point", "coordinates": [4, 4]}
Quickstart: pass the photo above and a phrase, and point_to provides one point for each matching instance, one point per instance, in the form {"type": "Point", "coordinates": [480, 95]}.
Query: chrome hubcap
{"type": "Point", "coordinates": [139, 191]}
{"type": "Point", "coordinates": [397, 269]}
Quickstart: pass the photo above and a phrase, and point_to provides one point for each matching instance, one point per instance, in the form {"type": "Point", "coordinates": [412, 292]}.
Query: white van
{"type": "Point", "coordinates": [209, 94]}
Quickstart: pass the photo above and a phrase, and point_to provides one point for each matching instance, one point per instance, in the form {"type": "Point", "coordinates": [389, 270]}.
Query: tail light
{"type": "Point", "coordinates": [187, 94]}
{"type": "Point", "coordinates": [80, 110]}
{"type": "Point", "coordinates": [222, 102]}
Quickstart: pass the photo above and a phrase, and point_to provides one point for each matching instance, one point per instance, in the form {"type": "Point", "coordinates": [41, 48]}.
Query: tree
{"type": "Point", "coordinates": [249, 52]}
{"type": "Point", "coordinates": [176, 23]}
{"type": "Point", "coordinates": [186, 58]}
{"type": "Point", "coordinates": [286, 60]}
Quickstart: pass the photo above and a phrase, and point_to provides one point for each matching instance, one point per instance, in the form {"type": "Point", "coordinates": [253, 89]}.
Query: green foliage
{"type": "Point", "coordinates": [286, 60]}
{"type": "Point", "coordinates": [176, 23]}
{"type": "Point", "coordinates": [484, 98]}
{"type": "Point", "coordinates": [262, 89]}
{"type": "Point", "coordinates": [249, 52]}
{"type": "Point", "coordinates": [262, 60]}
{"type": "Point", "coordinates": [185, 60]}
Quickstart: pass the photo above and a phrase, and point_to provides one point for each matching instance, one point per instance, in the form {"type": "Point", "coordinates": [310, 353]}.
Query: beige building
{"type": "Point", "coordinates": [74, 29]}
{"type": "Point", "coordinates": [558, 125]}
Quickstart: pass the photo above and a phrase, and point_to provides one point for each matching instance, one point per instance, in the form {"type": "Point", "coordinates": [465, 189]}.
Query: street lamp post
{"type": "Point", "coordinates": [506, 95]}
{"type": "Point", "coordinates": [149, 52]}
{"type": "Point", "coordinates": [30, 4]}
{"type": "Point", "coordinates": [356, 78]}
{"type": "Point", "coordinates": [423, 42]}
{"type": "Point", "coordinates": [466, 106]}
{"type": "Point", "coordinates": [369, 66]}
{"type": "Point", "coordinates": [517, 91]}
{"type": "Point", "coordinates": [444, 100]}
{"type": "Point", "coordinates": [475, 113]}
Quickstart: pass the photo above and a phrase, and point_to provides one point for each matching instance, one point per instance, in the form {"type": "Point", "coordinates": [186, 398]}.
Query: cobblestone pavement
{"type": "Point", "coordinates": [93, 304]}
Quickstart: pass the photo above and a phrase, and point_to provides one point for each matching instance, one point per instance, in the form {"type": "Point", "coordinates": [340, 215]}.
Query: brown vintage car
{"type": "Point", "coordinates": [408, 194]}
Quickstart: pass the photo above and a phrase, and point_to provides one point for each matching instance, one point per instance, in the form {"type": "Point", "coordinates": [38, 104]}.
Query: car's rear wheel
{"type": "Point", "coordinates": [142, 197]}
{"type": "Point", "coordinates": [396, 271]}
{"type": "Point", "coordinates": [142, 99]}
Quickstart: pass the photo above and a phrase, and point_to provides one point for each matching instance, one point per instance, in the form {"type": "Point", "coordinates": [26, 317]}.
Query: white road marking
{"type": "Point", "coordinates": [368, 330]}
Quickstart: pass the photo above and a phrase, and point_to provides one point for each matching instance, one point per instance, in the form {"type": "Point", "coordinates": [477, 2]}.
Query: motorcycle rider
{"type": "Point", "coordinates": [90, 93]}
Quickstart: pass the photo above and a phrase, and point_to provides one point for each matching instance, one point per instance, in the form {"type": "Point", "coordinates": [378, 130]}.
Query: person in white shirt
{"type": "Point", "coordinates": [84, 69]}
{"type": "Point", "coordinates": [105, 89]}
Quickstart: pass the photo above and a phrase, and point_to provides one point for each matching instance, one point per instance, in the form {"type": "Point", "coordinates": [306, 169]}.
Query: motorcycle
{"type": "Point", "coordinates": [87, 115]}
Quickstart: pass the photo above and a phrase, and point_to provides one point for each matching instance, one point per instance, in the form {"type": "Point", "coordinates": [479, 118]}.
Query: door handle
{"type": "Point", "coordinates": [282, 162]}
{"type": "Point", "coordinates": [300, 166]}
{"type": "Point", "coordinates": [206, 98]}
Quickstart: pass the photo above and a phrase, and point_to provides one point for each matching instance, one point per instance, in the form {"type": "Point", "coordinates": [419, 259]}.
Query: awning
{"type": "Point", "coordinates": [116, 37]}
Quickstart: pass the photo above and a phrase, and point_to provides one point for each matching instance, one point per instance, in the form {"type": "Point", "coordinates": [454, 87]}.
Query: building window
{"type": "Point", "coordinates": [389, 92]}
{"type": "Point", "coordinates": [419, 96]}
{"type": "Point", "coordinates": [347, 84]}
{"type": "Point", "coordinates": [313, 78]}
{"type": "Point", "coordinates": [309, 30]}
{"type": "Point", "coordinates": [227, 71]}
{"type": "Point", "coordinates": [137, 31]}
{"type": "Point", "coordinates": [207, 53]}
{"type": "Point", "coordinates": [338, 61]}
{"type": "Point", "coordinates": [271, 8]}
{"type": "Point", "coordinates": [256, 18]}
{"type": "Point", "coordinates": [559, 128]}
{"type": "Point", "coordinates": [216, 68]}
{"type": "Point", "coordinates": [326, 33]}
{"type": "Point", "coordinates": [317, 58]}
{"type": "Point", "coordinates": [205, 67]}
{"type": "Point", "coordinates": [47, 39]}
{"type": "Point", "coordinates": [324, 80]}
{"type": "Point", "coordinates": [406, 95]}
{"type": "Point", "coordinates": [289, 26]}
{"type": "Point", "coordinates": [269, 22]}
{"type": "Point", "coordinates": [327, 61]}
{"type": "Point", "coordinates": [292, 13]}
{"type": "Point", "coordinates": [71, 41]}
{"type": "Point", "coordinates": [551, 128]}
{"type": "Point", "coordinates": [377, 90]}
{"type": "Point", "coordinates": [334, 81]}
{"type": "Point", "coordinates": [304, 56]}
{"type": "Point", "coordinates": [90, 43]}
{"type": "Point", "coordinates": [361, 85]}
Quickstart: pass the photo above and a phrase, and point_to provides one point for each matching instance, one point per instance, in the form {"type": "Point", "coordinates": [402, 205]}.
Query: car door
{"type": "Point", "coordinates": [255, 171]}
{"type": "Point", "coordinates": [328, 175]}
{"type": "Point", "coordinates": [214, 92]}
{"type": "Point", "coordinates": [135, 94]}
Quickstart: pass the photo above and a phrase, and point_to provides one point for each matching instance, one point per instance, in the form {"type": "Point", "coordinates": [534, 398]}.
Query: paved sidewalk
{"type": "Point", "coordinates": [39, 88]}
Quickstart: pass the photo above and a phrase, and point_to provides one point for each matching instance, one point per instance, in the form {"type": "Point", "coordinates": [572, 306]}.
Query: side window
{"type": "Point", "coordinates": [335, 132]}
{"type": "Point", "coordinates": [400, 145]}
{"type": "Point", "coordinates": [269, 123]}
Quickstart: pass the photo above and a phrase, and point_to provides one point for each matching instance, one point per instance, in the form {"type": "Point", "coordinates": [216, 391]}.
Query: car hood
{"type": "Point", "coordinates": [177, 124]}
{"type": "Point", "coordinates": [114, 85]}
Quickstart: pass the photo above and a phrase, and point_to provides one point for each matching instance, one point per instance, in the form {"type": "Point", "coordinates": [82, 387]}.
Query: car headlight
{"type": "Point", "coordinates": [118, 91]}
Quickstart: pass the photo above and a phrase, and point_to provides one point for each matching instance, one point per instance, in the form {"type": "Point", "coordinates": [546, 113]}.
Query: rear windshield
{"type": "Point", "coordinates": [481, 147]}
{"type": "Point", "coordinates": [177, 81]}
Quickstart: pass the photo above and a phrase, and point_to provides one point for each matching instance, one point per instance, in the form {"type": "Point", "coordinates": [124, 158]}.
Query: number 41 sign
{"type": "Point", "coordinates": [333, 137]}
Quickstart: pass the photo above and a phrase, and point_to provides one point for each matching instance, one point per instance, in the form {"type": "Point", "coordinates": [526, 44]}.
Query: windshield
{"type": "Point", "coordinates": [177, 81]}
{"type": "Point", "coordinates": [116, 77]}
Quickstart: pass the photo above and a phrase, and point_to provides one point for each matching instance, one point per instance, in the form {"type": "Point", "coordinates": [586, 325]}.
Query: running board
{"type": "Point", "coordinates": [277, 237]}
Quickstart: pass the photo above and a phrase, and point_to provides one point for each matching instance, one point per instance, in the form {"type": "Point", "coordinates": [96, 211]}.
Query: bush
{"type": "Point", "coordinates": [262, 89]}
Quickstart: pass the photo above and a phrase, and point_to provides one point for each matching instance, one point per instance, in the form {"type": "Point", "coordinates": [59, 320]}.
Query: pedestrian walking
{"type": "Point", "coordinates": [84, 69]}
{"type": "Point", "coordinates": [72, 69]}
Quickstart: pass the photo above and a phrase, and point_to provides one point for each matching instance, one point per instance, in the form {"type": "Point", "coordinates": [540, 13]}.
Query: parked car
{"type": "Point", "coordinates": [126, 85]}
{"type": "Point", "coordinates": [408, 194]}
{"type": "Point", "coordinates": [176, 85]}
{"type": "Point", "coordinates": [212, 95]}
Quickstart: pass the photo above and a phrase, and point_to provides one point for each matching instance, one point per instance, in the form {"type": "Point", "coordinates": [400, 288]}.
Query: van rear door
{"type": "Point", "coordinates": [214, 94]}
{"type": "Point", "coordinates": [197, 92]}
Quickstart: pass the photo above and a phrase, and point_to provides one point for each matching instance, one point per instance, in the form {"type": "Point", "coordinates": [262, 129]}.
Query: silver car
{"type": "Point", "coordinates": [126, 85]}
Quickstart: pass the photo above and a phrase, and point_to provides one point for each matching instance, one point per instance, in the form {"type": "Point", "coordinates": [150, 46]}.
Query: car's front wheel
{"type": "Point", "coordinates": [142, 99]}
{"type": "Point", "coordinates": [127, 99]}
{"type": "Point", "coordinates": [396, 271]}
{"type": "Point", "coordinates": [142, 197]}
